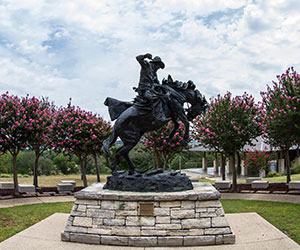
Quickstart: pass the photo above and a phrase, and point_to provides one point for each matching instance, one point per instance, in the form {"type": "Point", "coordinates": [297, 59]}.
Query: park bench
{"type": "Point", "coordinates": [26, 188]}
{"type": "Point", "coordinates": [69, 182]}
{"type": "Point", "coordinates": [259, 185]}
{"type": "Point", "coordinates": [249, 180]}
{"type": "Point", "coordinates": [294, 186]}
{"type": "Point", "coordinates": [222, 185]}
{"type": "Point", "coordinates": [7, 185]}
{"type": "Point", "coordinates": [65, 188]}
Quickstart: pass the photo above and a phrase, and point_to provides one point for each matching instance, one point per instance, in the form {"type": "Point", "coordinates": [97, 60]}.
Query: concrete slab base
{"type": "Point", "coordinates": [252, 232]}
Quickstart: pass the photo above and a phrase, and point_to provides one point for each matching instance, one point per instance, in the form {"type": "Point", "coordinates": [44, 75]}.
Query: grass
{"type": "Point", "coordinates": [284, 216]}
{"type": "Point", "coordinates": [294, 177]}
{"type": "Point", "coordinates": [52, 180]}
{"type": "Point", "coordinates": [16, 219]}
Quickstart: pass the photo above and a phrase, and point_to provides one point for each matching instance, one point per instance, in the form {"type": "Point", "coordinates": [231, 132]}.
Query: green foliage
{"type": "Point", "coordinates": [273, 174]}
{"type": "Point", "coordinates": [65, 164]}
{"type": "Point", "coordinates": [295, 168]}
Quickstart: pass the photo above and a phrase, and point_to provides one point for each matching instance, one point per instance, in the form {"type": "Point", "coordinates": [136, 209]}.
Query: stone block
{"type": "Point", "coordinates": [86, 202]}
{"type": "Point", "coordinates": [195, 231]}
{"type": "Point", "coordinates": [170, 241]}
{"type": "Point", "coordinates": [153, 232]}
{"type": "Point", "coordinates": [132, 221]}
{"type": "Point", "coordinates": [182, 213]}
{"type": "Point", "coordinates": [26, 188]}
{"type": "Point", "coordinates": [76, 229]}
{"type": "Point", "coordinates": [196, 223]}
{"type": "Point", "coordinates": [294, 185]}
{"type": "Point", "coordinates": [206, 204]}
{"type": "Point", "coordinates": [169, 204]}
{"type": "Point", "coordinates": [249, 180]}
{"type": "Point", "coordinates": [175, 221]}
{"type": "Point", "coordinates": [114, 222]}
{"type": "Point", "coordinates": [110, 205]}
{"type": "Point", "coordinates": [187, 204]}
{"type": "Point", "coordinates": [142, 241]}
{"type": "Point", "coordinates": [82, 221]}
{"type": "Point", "coordinates": [201, 209]}
{"type": "Point", "coordinates": [100, 213]}
{"type": "Point", "coordinates": [178, 232]}
{"type": "Point", "coordinates": [97, 221]}
{"type": "Point", "coordinates": [217, 230]}
{"type": "Point", "coordinates": [219, 222]}
{"type": "Point", "coordinates": [147, 221]}
{"type": "Point", "coordinates": [126, 213]}
{"type": "Point", "coordinates": [259, 184]}
{"type": "Point", "coordinates": [126, 231]}
{"type": "Point", "coordinates": [219, 239]}
{"type": "Point", "coordinates": [114, 240]}
{"type": "Point", "coordinates": [81, 208]}
{"type": "Point", "coordinates": [228, 239]}
{"type": "Point", "coordinates": [163, 220]}
{"type": "Point", "coordinates": [99, 230]}
{"type": "Point", "coordinates": [65, 187]}
{"type": "Point", "coordinates": [168, 226]}
{"type": "Point", "coordinates": [6, 185]}
{"type": "Point", "coordinates": [85, 238]}
{"type": "Point", "coordinates": [73, 182]}
{"type": "Point", "coordinates": [128, 205]}
{"type": "Point", "coordinates": [158, 211]}
{"type": "Point", "coordinates": [65, 236]}
{"type": "Point", "coordinates": [199, 240]}
{"type": "Point", "coordinates": [222, 185]}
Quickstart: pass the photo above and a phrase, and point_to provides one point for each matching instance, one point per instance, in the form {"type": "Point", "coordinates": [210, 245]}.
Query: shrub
{"type": "Point", "coordinates": [273, 174]}
{"type": "Point", "coordinates": [295, 168]}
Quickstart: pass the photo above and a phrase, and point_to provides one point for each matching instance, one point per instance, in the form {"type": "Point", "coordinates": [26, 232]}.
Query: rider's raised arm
{"type": "Point", "coordinates": [141, 59]}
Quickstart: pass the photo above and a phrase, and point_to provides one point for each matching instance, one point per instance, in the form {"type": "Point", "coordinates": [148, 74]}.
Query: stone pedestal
{"type": "Point", "coordinates": [186, 218]}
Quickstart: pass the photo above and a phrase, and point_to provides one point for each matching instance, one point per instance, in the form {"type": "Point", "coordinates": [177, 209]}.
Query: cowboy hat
{"type": "Point", "coordinates": [158, 60]}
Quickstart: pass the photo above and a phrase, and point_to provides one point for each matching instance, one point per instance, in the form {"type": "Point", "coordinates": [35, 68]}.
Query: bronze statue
{"type": "Point", "coordinates": [155, 105]}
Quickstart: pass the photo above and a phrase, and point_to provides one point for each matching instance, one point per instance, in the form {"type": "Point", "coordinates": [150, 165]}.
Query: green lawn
{"type": "Point", "coordinates": [294, 177]}
{"type": "Point", "coordinates": [284, 216]}
{"type": "Point", "coordinates": [52, 180]}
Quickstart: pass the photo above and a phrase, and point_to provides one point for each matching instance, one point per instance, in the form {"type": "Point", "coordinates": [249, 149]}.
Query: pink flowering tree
{"type": "Point", "coordinates": [76, 131]}
{"type": "Point", "coordinates": [162, 147]}
{"type": "Point", "coordinates": [100, 131]}
{"type": "Point", "coordinates": [229, 124]}
{"type": "Point", "coordinates": [13, 129]}
{"type": "Point", "coordinates": [280, 109]}
{"type": "Point", "coordinates": [39, 118]}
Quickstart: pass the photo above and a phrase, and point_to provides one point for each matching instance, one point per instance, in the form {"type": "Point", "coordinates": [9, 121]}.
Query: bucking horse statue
{"type": "Point", "coordinates": [134, 119]}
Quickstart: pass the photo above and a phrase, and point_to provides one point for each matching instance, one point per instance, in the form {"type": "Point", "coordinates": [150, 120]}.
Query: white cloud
{"type": "Point", "coordinates": [86, 49]}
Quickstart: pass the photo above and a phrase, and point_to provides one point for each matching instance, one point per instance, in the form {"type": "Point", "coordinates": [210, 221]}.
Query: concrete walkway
{"type": "Point", "coordinates": [35, 200]}
{"type": "Point", "coordinates": [290, 198]}
{"type": "Point", "coordinates": [234, 196]}
{"type": "Point", "coordinates": [251, 230]}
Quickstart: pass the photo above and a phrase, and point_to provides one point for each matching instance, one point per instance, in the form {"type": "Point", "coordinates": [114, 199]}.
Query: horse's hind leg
{"type": "Point", "coordinates": [124, 151]}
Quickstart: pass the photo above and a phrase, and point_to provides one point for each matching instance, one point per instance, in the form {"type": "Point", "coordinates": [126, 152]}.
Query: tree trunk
{"type": "Point", "coordinates": [288, 166]}
{"type": "Point", "coordinates": [97, 168]}
{"type": "Point", "coordinates": [223, 164]}
{"type": "Point", "coordinates": [15, 174]}
{"type": "Point", "coordinates": [233, 170]}
{"type": "Point", "coordinates": [157, 159]}
{"type": "Point", "coordinates": [277, 161]}
{"type": "Point", "coordinates": [204, 163]}
{"type": "Point", "coordinates": [239, 168]}
{"type": "Point", "coordinates": [35, 169]}
{"type": "Point", "coordinates": [83, 171]}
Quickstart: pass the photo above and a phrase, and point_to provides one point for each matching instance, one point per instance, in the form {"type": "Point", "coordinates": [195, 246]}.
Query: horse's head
{"type": "Point", "coordinates": [198, 105]}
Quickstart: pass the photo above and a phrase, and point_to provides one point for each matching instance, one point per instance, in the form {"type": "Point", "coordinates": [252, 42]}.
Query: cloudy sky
{"type": "Point", "coordinates": [85, 49]}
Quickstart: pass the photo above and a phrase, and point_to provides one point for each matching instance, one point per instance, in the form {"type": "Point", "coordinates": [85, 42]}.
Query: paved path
{"type": "Point", "coordinates": [241, 196]}
{"type": "Point", "coordinates": [34, 200]}
{"type": "Point", "coordinates": [251, 230]}
{"type": "Point", "coordinates": [290, 198]}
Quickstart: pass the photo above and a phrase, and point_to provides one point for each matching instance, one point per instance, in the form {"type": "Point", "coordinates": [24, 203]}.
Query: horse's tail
{"type": "Point", "coordinates": [107, 143]}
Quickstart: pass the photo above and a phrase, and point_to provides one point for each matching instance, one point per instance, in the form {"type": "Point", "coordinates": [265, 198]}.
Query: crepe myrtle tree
{"type": "Point", "coordinates": [280, 110]}
{"type": "Point", "coordinates": [76, 131]}
{"type": "Point", "coordinates": [39, 117]}
{"type": "Point", "coordinates": [163, 147]}
{"type": "Point", "coordinates": [229, 124]}
{"type": "Point", "coordinates": [100, 131]}
{"type": "Point", "coordinates": [13, 129]}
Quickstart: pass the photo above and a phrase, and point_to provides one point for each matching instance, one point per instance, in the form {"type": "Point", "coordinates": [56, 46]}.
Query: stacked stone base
{"type": "Point", "coordinates": [187, 218]}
